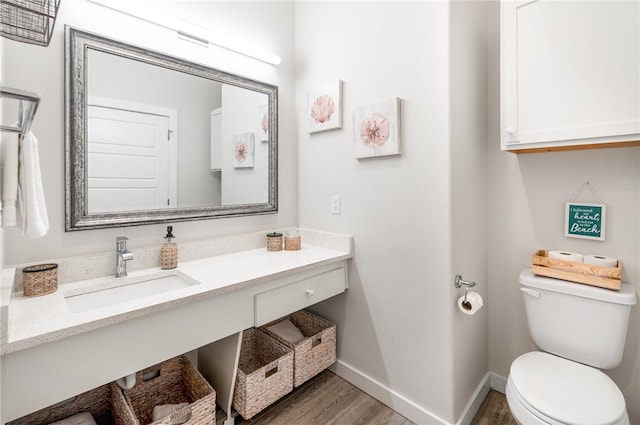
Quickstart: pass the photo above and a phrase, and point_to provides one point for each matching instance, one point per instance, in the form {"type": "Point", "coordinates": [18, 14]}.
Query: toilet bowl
{"type": "Point", "coordinates": [547, 389]}
{"type": "Point", "coordinates": [580, 330]}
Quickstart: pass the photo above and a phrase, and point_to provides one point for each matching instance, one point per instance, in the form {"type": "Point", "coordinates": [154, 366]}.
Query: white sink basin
{"type": "Point", "coordinates": [122, 290]}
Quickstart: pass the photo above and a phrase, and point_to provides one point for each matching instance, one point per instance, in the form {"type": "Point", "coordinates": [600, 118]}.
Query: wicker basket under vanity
{"type": "Point", "coordinates": [106, 404]}
{"type": "Point", "coordinates": [40, 279]}
{"type": "Point", "coordinates": [265, 373]}
{"type": "Point", "coordinates": [174, 381]}
{"type": "Point", "coordinates": [316, 352]}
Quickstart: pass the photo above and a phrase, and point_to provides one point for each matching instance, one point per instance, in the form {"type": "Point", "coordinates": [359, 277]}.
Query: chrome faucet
{"type": "Point", "coordinates": [123, 256]}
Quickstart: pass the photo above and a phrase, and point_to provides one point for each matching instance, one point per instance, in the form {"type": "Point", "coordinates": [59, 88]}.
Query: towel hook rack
{"type": "Point", "coordinates": [29, 102]}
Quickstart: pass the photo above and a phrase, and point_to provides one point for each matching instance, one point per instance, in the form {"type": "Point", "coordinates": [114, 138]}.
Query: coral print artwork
{"type": "Point", "coordinates": [377, 129]}
{"type": "Point", "coordinates": [322, 109]}
{"type": "Point", "coordinates": [243, 150]}
{"type": "Point", "coordinates": [374, 130]}
{"type": "Point", "coordinates": [325, 107]}
{"type": "Point", "coordinates": [263, 118]}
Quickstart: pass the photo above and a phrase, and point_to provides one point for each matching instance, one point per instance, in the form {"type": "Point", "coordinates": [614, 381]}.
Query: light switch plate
{"type": "Point", "coordinates": [335, 204]}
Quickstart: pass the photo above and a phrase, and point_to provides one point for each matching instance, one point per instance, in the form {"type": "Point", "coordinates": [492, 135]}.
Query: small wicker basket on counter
{"type": "Point", "coordinates": [40, 279]}
{"type": "Point", "coordinates": [292, 242]}
{"type": "Point", "coordinates": [274, 241]}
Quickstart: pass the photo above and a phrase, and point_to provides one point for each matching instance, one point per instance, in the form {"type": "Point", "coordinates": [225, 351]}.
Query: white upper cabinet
{"type": "Point", "coordinates": [570, 73]}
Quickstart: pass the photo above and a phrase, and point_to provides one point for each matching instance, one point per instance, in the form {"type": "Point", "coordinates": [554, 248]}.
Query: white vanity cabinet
{"type": "Point", "coordinates": [51, 367]}
{"type": "Point", "coordinates": [570, 74]}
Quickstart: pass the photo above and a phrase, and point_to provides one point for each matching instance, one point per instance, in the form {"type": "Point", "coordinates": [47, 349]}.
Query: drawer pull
{"type": "Point", "coordinates": [310, 293]}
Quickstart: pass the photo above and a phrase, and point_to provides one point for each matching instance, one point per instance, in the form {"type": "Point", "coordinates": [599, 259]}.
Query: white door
{"type": "Point", "coordinates": [129, 161]}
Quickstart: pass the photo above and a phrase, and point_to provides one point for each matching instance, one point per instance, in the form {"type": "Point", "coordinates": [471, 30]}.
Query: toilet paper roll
{"type": "Point", "coordinates": [601, 260]}
{"type": "Point", "coordinates": [566, 256]}
{"type": "Point", "coordinates": [472, 305]}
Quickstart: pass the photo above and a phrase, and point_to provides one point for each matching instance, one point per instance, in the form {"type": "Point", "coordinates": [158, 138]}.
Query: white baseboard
{"type": "Point", "coordinates": [475, 401]}
{"type": "Point", "coordinates": [498, 383]}
{"type": "Point", "coordinates": [386, 395]}
{"type": "Point", "coordinates": [410, 409]}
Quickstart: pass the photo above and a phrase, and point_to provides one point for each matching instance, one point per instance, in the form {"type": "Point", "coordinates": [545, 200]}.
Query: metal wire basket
{"type": "Point", "coordinates": [28, 21]}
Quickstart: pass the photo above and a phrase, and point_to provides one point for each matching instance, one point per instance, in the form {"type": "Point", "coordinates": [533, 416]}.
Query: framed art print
{"type": "Point", "coordinates": [243, 150]}
{"type": "Point", "coordinates": [377, 129]}
{"type": "Point", "coordinates": [324, 107]}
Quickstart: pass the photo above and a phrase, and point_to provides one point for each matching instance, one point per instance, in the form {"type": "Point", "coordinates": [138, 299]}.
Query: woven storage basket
{"type": "Point", "coordinates": [265, 373]}
{"type": "Point", "coordinates": [172, 382]}
{"type": "Point", "coordinates": [106, 404]}
{"type": "Point", "coordinates": [40, 279]}
{"type": "Point", "coordinates": [316, 352]}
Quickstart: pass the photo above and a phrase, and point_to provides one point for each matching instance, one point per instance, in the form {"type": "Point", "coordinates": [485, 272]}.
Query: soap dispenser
{"type": "Point", "coordinates": [169, 251]}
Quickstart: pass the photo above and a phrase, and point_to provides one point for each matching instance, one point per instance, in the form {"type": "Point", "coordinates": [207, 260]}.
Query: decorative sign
{"type": "Point", "coordinates": [585, 221]}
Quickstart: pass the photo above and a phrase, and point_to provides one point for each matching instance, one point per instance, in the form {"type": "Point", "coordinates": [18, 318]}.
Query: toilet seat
{"type": "Point", "coordinates": [559, 391]}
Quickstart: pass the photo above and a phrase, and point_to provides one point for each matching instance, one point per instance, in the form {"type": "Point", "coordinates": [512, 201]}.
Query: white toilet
{"type": "Point", "coordinates": [581, 329]}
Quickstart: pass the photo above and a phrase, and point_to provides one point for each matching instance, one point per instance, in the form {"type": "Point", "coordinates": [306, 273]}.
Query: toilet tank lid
{"type": "Point", "coordinates": [626, 294]}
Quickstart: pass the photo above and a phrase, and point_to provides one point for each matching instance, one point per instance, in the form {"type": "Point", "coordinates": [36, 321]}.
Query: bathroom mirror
{"type": "Point", "coordinates": [153, 138]}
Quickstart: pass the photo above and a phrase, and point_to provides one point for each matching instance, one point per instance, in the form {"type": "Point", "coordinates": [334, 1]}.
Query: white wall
{"type": "Point", "coordinates": [527, 193]}
{"type": "Point", "coordinates": [240, 115]}
{"type": "Point", "coordinates": [264, 25]}
{"type": "Point", "coordinates": [468, 69]}
{"type": "Point", "coordinates": [396, 323]}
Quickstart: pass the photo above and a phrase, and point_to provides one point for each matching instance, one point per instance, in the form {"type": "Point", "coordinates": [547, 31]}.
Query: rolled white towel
{"type": "Point", "coordinates": [31, 203]}
{"type": "Point", "coordinates": [164, 410]}
{"type": "Point", "coordinates": [9, 165]}
{"type": "Point", "coordinates": [286, 330]}
{"type": "Point", "coordinates": [83, 418]}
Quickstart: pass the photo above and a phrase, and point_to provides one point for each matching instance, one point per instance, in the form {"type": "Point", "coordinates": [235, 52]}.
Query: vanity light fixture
{"type": "Point", "coordinates": [184, 30]}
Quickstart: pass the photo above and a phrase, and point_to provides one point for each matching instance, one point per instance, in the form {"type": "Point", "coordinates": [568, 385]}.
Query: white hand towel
{"type": "Point", "coordinates": [31, 203]}
{"type": "Point", "coordinates": [83, 418]}
{"type": "Point", "coordinates": [9, 164]}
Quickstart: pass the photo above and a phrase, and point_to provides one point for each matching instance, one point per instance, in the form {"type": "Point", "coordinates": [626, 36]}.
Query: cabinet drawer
{"type": "Point", "coordinates": [279, 302]}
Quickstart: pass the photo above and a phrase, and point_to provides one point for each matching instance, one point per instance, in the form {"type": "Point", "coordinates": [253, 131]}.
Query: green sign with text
{"type": "Point", "coordinates": [584, 220]}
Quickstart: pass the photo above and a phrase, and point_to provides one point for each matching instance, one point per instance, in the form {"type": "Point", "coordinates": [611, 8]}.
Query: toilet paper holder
{"type": "Point", "coordinates": [459, 282]}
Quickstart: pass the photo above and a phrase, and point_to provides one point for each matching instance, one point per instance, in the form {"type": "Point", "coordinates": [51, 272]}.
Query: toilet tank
{"type": "Point", "coordinates": [579, 322]}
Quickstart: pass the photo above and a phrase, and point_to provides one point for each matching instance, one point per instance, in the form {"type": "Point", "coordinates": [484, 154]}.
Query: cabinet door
{"type": "Point", "coordinates": [570, 73]}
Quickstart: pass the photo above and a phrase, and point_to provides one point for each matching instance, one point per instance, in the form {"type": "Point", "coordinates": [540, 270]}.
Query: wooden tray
{"type": "Point", "coordinates": [588, 274]}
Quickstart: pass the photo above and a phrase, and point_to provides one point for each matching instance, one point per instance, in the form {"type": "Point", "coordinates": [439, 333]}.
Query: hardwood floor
{"type": "Point", "coordinates": [494, 411]}
{"type": "Point", "coordinates": [329, 400]}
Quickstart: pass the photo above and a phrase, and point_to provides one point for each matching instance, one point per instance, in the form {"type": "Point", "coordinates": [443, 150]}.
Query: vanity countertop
{"type": "Point", "coordinates": [37, 320]}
